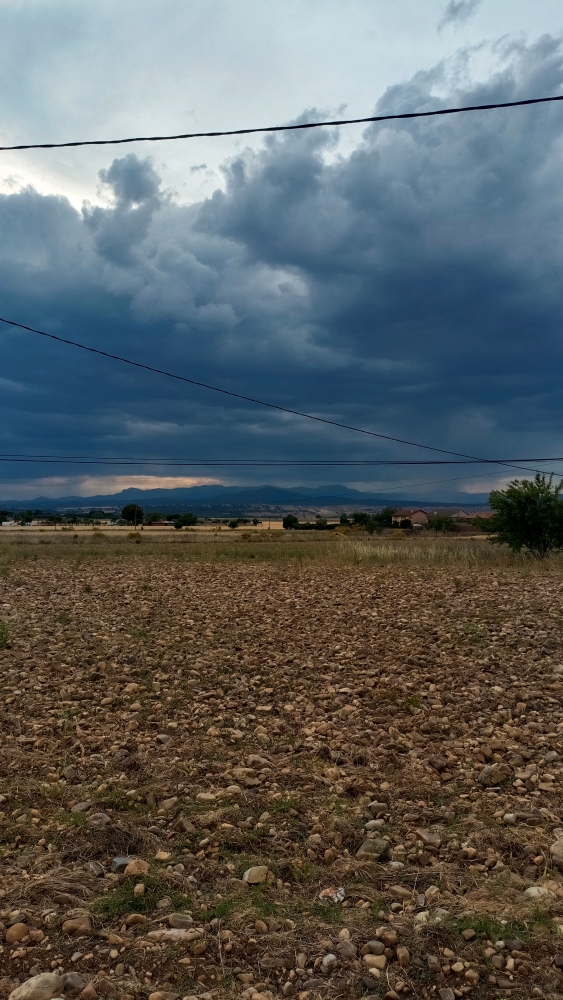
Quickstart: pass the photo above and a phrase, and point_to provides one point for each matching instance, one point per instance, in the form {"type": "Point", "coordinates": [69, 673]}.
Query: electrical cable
{"type": "Point", "coordinates": [257, 462]}
{"type": "Point", "coordinates": [250, 399]}
{"type": "Point", "coordinates": [284, 128]}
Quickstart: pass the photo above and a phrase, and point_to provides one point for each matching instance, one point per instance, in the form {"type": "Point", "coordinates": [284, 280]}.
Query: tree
{"type": "Point", "coordinates": [290, 522]}
{"type": "Point", "coordinates": [132, 513]}
{"type": "Point", "coordinates": [344, 519]}
{"type": "Point", "coordinates": [234, 523]}
{"type": "Point", "coordinates": [528, 515]}
{"type": "Point", "coordinates": [441, 522]}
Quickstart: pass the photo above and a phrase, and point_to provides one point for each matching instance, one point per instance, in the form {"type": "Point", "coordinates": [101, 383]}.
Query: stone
{"type": "Point", "coordinates": [100, 819]}
{"type": "Point", "coordinates": [162, 856]}
{"type": "Point", "coordinates": [438, 763]}
{"type": "Point", "coordinates": [42, 987]}
{"type": "Point", "coordinates": [17, 932]}
{"type": "Point", "coordinates": [472, 976]}
{"type": "Point", "coordinates": [256, 875]}
{"type": "Point", "coordinates": [329, 963]}
{"type": "Point", "coordinates": [288, 990]}
{"type": "Point", "coordinates": [468, 934]}
{"type": "Point", "coordinates": [370, 984]}
{"type": "Point", "coordinates": [492, 774]}
{"type": "Point", "coordinates": [514, 944]}
{"type": "Point", "coordinates": [77, 925]}
{"type": "Point", "coordinates": [447, 994]}
{"type": "Point", "coordinates": [176, 934]}
{"type": "Point", "coordinates": [374, 848]}
{"type": "Point", "coordinates": [429, 838]}
{"type": "Point", "coordinates": [95, 868]}
{"type": "Point", "coordinates": [72, 981]}
{"type": "Point", "coordinates": [135, 918]}
{"type": "Point", "coordinates": [433, 963]}
{"type": "Point", "coordinates": [137, 866]}
{"type": "Point", "coordinates": [180, 920]}
{"type": "Point", "coordinates": [104, 988]}
{"type": "Point", "coordinates": [457, 967]}
{"type": "Point", "coordinates": [403, 956]}
{"type": "Point", "coordinates": [400, 892]}
{"type": "Point", "coordinates": [378, 808]}
{"type": "Point", "coordinates": [375, 961]}
{"type": "Point", "coordinates": [556, 851]}
{"type": "Point", "coordinates": [347, 950]}
{"type": "Point", "coordinates": [82, 807]}
{"type": "Point", "coordinates": [118, 865]}
{"type": "Point", "coordinates": [70, 772]}
{"type": "Point", "coordinates": [373, 948]}
{"type": "Point", "coordinates": [538, 892]}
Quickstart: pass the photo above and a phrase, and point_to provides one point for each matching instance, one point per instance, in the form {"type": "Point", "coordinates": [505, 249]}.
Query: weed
{"type": "Point", "coordinates": [4, 635]}
{"type": "Point", "coordinates": [121, 900]}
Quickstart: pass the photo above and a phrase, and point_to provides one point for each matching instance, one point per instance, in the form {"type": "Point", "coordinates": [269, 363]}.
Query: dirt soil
{"type": "Point", "coordinates": [260, 779]}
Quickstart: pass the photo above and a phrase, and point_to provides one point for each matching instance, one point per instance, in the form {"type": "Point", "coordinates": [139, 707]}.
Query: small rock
{"type": "Point", "coordinates": [118, 865]}
{"type": "Point", "coordinates": [438, 763]}
{"type": "Point", "coordinates": [72, 981]}
{"type": "Point", "coordinates": [457, 967]}
{"type": "Point", "coordinates": [256, 875]}
{"type": "Point", "coordinates": [505, 984]}
{"type": "Point", "coordinates": [42, 987]}
{"type": "Point", "coordinates": [537, 892]}
{"type": "Point", "coordinates": [447, 994]}
{"type": "Point", "coordinates": [181, 920]}
{"type": "Point", "coordinates": [329, 963]}
{"type": "Point", "coordinates": [77, 925]}
{"type": "Point", "coordinates": [373, 948]}
{"type": "Point", "coordinates": [104, 988]}
{"type": "Point", "coordinates": [89, 992]}
{"type": "Point", "coordinates": [472, 976]}
{"type": "Point", "coordinates": [370, 984]}
{"type": "Point", "coordinates": [400, 892]}
{"type": "Point", "coordinates": [403, 956]}
{"type": "Point", "coordinates": [433, 963]}
{"type": "Point", "coordinates": [514, 944]}
{"type": "Point", "coordinates": [492, 774]}
{"type": "Point", "coordinates": [288, 990]}
{"type": "Point", "coordinates": [82, 807]}
{"type": "Point", "coordinates": [17, 932]}
{"type": "Point", "coordinates": [137, 866]}
{"type": "Point", "coordinates": [135, 918]}
{"type": "Point", "coordinates": [70, 772]}
{"type": "Point", "coordinates": [95, 868]}
{"type": "Point", "coordinates": [468, 934]}
{"type": "Point", "coordinates": [556, 851]}
{"type": "Point", "coordinates": [378, 808]}
{"type": "Point", "coordinates": [429, 838]}
{"type": "Point", "coordinates": [176, 934]}
{"type": "Point", "coordinates": [162, 856]}
{"type": "Point", "coordinates": [375, 961]}
{"type": "Point", "coordinates": [100, 819]}
{"type": "Point", "coordinates": [374, 849]}
{"type": "Point", "coordinates": [347, 950]}
{"type": "Point", "coordinates": [509, 819]}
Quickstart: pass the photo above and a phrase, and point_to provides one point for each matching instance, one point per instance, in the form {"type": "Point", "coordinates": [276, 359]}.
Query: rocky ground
{"type": "Point", "coordinates": [261, 780]}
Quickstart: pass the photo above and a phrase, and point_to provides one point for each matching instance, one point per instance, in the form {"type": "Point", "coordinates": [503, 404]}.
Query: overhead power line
{"type": "Point", "coordinates": [259, 462]}
{"type": "Point", "coordinates": [252, 399]}
{"type": "Point", "coordinates": [283, 128]}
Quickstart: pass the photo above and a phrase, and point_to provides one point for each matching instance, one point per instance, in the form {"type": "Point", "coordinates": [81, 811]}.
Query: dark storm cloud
{"type": "Point", "coordinates": [413, 286]}
{"type": "Point", "coordinates": [458, 11]}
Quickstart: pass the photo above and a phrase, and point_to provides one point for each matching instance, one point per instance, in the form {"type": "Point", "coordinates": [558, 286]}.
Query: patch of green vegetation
{"type": "Point", "coordinates": [221, 910]}
{"type": "Point", "coordinates": [475, 633]}
{"type": "Point", "coordinates": [486, 927]}
{"type": "Point", "coordinates": [121, 900]}
{"type": "Point", "coordinates": [72, 819]}
{"type": "Point", "coordinates": [63, 618]}
{"type": "Point", "coordinates": [413, 700]}
{"type": "Point", "coordinates": [328, 914]}
{"type": "Point", "coordinates": [4, 635]}
{"type": "Point", "coordinates": [262, 904]}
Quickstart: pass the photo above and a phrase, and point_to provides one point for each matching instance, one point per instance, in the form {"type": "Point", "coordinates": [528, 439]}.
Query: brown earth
{"type": "Point", "coordinates": [387, 725]}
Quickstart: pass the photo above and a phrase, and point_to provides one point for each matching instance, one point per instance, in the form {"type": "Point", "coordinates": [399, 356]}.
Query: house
{"type": "Point", "coordinates": [456, 513]}
{"type": "Point", "coordinates": [412, 514]}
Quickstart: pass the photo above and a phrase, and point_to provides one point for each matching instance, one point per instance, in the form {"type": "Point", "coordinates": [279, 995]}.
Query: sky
{"type": "Point", "coordinates": [402, 277]}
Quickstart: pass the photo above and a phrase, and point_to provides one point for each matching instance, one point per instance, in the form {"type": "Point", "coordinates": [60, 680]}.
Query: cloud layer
{"type": "Point", "coordinates": [412, 287]}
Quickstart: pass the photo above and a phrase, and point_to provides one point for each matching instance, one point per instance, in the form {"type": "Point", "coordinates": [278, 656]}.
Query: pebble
{"type": "Point", "coordinates": [42, 987]}
{"type": "Point", "coordinates": [17, 932]}
{"type": "Point", "coordinates": [100, 819]}
{"type": "Point", "coordinates": [429, 837]}
{"type": "Point", "coordinates": [375, 961]}
{"type": "Point", "coordinates": [180, 920]}
{"type": "Point", "coordinates": [118, 865]}
{"type": "Point", "coordinates": [403, 956]}
{"type": "Point", "coordinates": [72, 981]}
{"type": "Point", "coordinates": [82, 807]}
{"type": "Point", "coordinates": [556, 851]}
{"type": "Point", "coordinates": [329, 963]}
{"type": "Point", "coordinates": [374, 848]}
{"type": "Point", "coordinates": [77, 925]}
{"type": "Point", "coordinates": [256, 875]}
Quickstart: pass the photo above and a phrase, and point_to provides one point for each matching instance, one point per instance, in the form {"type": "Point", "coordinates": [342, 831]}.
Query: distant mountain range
{"type": "Point", "coordinates": [215, 498]}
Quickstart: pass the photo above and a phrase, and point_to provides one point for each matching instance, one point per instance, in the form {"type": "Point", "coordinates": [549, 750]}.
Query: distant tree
{"type": "Point", "coordinates": [255, 521]}
{"type": "Point", "coordinates": [290, 522]}
{"type": "Point", "coordinates": [528, 515]}
{"type": "Point", "coordinates": [385, 517]}
{"type": "Point", "coordinates": [234, 523]}
{"type": "Point", "coordinates": [359, 517]}
{"type": "Point", "coordinates": [153, 516]}
{"type": "Point", "coordinates": [132, 513]}
{"type": "Point", "coordinates": [320, 522]}
{"type": "Point", "coordinates": [441, 522]}
{"type": "Point", "coordinates": [184, 520]}
{"type": "Point", "coordinates": [344, 519]}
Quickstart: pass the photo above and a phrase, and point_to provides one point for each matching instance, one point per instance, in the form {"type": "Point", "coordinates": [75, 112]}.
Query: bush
{"type": "Point", "coordinates": [290, 522]}
{"type": "Point", "coordinates": [132, 513]}
{"type": "Point", "coordinates": [528, 515]}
